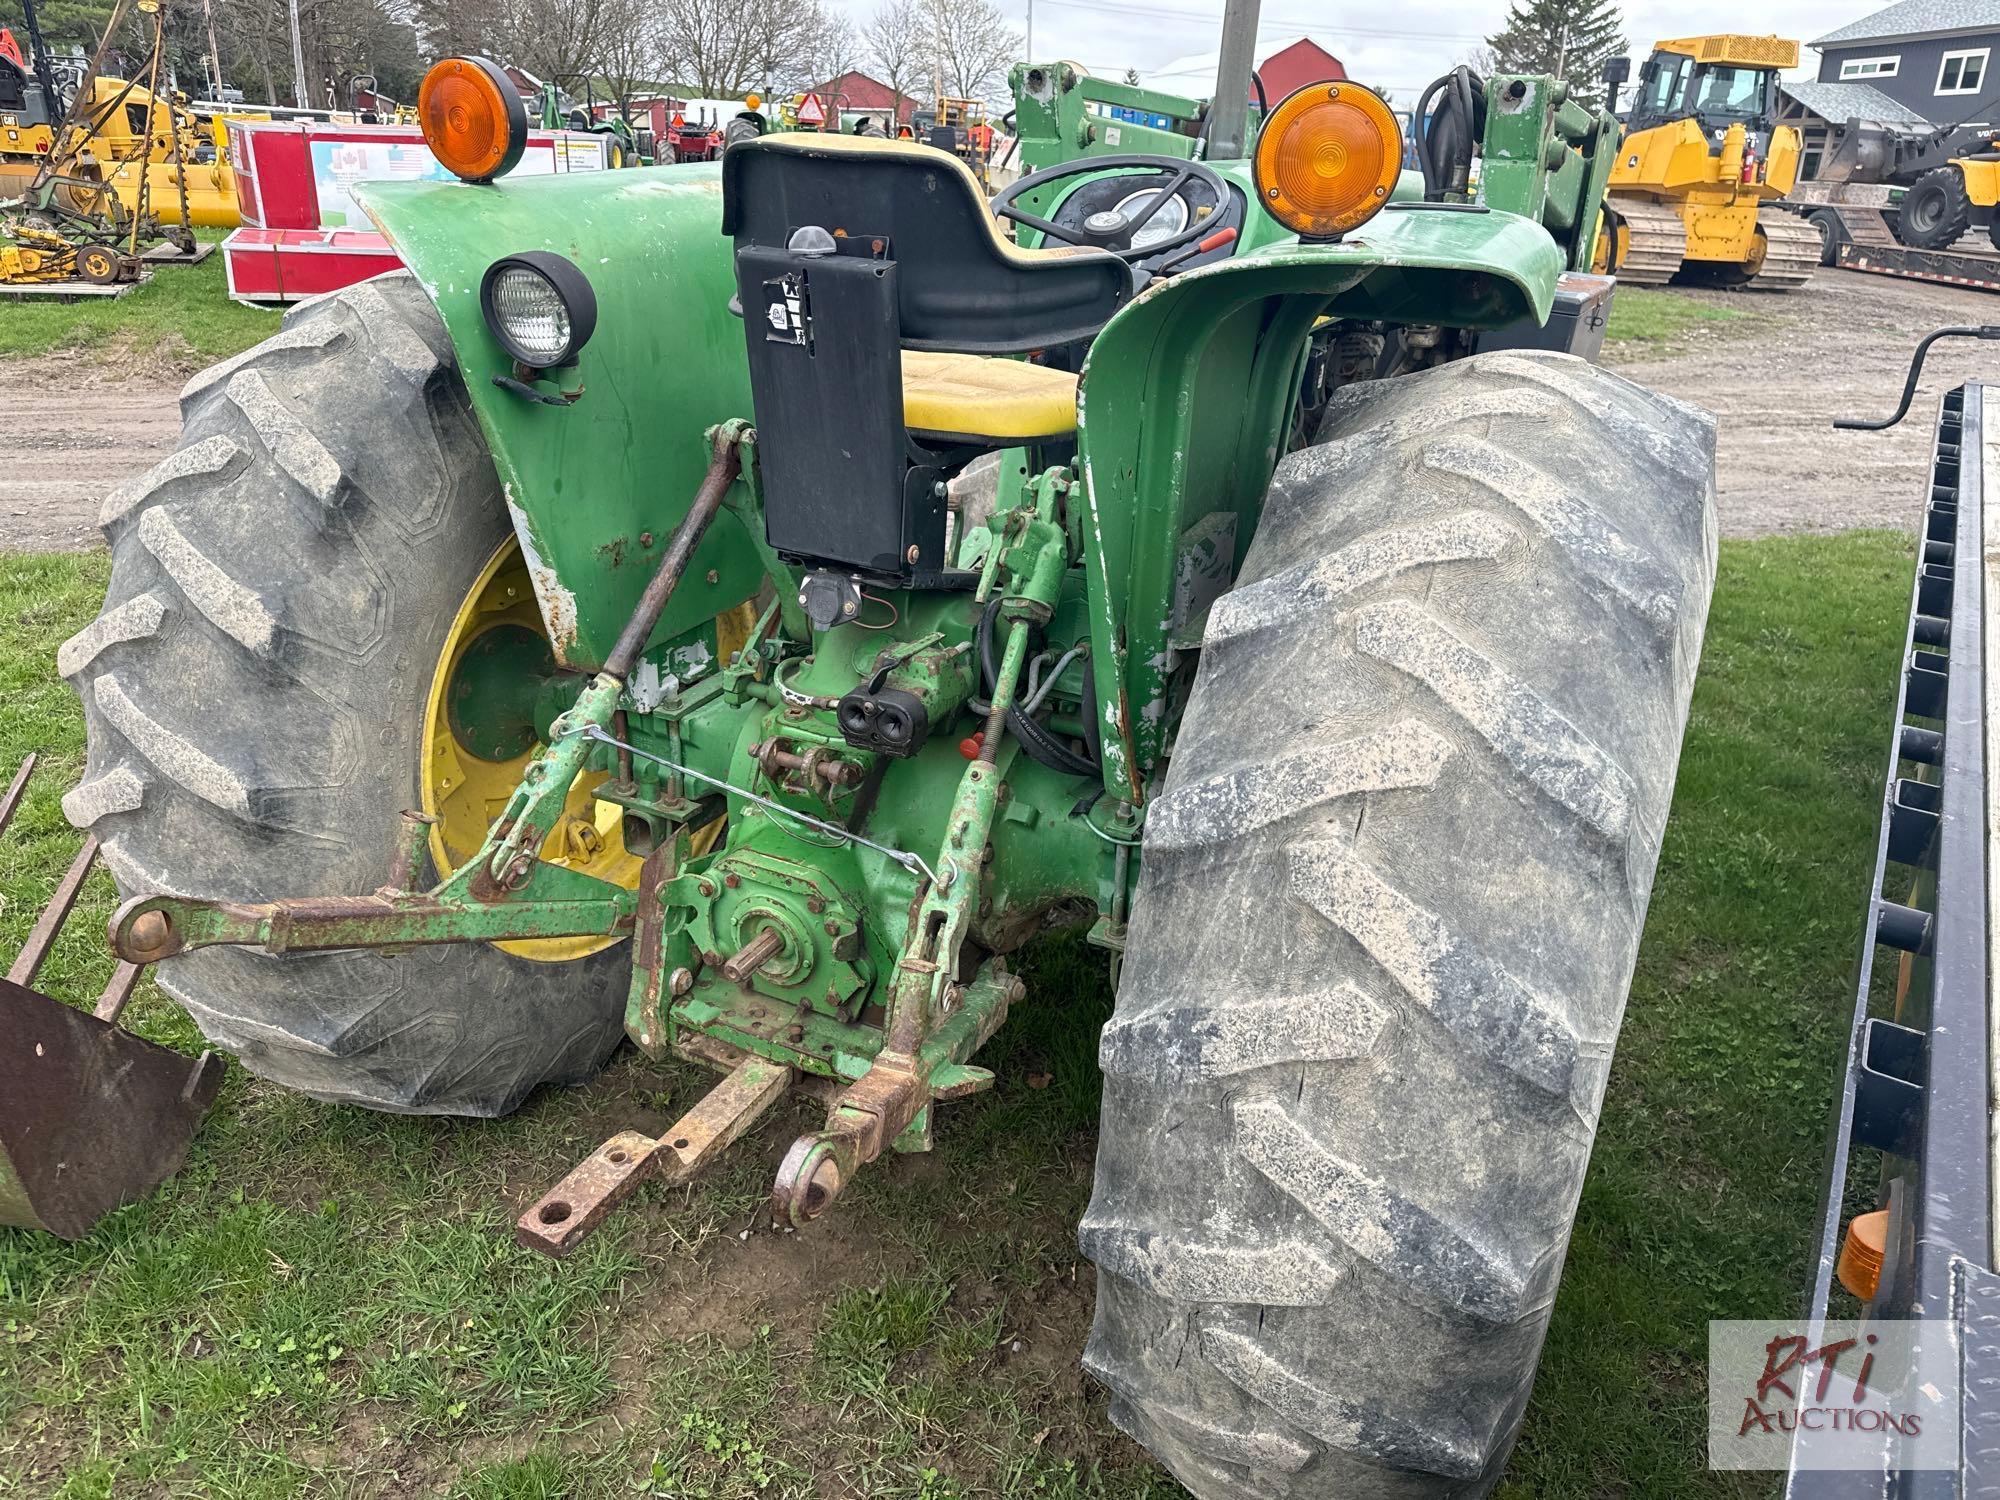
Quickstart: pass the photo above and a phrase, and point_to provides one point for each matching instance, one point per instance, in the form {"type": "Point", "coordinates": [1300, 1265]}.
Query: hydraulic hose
{"type": "Point", "coordinates": [1445, 140]}
{"type": "Point", "coordinates": [1040, 745]}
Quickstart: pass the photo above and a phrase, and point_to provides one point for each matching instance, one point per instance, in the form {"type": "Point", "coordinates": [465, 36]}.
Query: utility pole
{"type": "Point", "coordinates": [1031, 30]}
{"type": "Point", "coordinates": [298, 61]}
{"type": "Point", "coordinates": [937, 61]}
{"type": "Point", "coordinates": [214, 53]}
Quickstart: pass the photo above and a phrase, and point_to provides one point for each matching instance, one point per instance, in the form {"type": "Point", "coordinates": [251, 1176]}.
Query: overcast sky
{"type": "Point", "coordinates": [1399, 46]}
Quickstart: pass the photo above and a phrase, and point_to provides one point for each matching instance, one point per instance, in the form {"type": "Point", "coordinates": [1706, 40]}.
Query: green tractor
{"type": "Point", "coordinates": [463, 705]}
{"type": "Point", "coordinates": [629, 145]}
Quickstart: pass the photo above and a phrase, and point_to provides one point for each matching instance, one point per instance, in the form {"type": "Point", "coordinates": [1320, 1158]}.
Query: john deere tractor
{"type": "Point", "coordinates": [463, 704]}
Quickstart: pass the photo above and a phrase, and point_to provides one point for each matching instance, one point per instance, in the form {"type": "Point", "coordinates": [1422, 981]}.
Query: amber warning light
{"type": "Point", "coordinates": [473, 118]}
{"type": "Point", "coordinates": [1327, 159]}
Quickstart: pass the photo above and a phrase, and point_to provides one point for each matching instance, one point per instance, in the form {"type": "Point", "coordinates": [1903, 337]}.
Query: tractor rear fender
{"type": "Point", "coordinates": [597, 487]}
{"type": "Point", "coordinates": [1187, 403]}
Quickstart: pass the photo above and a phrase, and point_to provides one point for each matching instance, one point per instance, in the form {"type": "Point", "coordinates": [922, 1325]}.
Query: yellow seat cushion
{"type": "Point", "coordinates": [982, 399]}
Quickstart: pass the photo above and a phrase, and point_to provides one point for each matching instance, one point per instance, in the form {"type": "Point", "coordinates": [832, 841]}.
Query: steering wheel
{"type": "Point", "coordinates": [1110, 229]}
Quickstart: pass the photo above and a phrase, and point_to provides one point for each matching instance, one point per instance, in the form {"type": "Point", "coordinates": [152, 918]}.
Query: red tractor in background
{"type": "Point", "coordinates": [699, 140]}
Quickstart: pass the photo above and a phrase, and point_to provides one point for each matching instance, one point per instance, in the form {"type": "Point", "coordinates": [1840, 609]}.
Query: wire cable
{"type": "Point", "coordinates": [911, 862]}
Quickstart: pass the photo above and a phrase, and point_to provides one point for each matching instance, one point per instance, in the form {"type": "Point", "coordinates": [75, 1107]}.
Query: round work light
{"type": "Point", "coordinates": [540, 307]}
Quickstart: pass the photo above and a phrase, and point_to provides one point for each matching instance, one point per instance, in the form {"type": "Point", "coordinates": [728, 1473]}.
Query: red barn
{"type": "Point", "coordinates": [1284, 69]}
{"type": "Point", "coordinates": [858, 94]}
{"type": "Point", "coordinates": [646, 111]}
{"type": "Point", "coordinates": [1294, 66]}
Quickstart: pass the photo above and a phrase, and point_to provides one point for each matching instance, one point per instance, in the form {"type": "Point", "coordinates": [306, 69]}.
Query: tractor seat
{"type": "Point", "coordinates": [994, 403]}
{"type": "Point", "coordinates": [881, 310]}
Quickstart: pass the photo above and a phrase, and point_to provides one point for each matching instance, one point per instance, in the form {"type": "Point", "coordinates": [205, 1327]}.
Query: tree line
{"type": "Point", "coordinates": [1566, 40]}
{"type": "Point", "coordinates": [699, 48]}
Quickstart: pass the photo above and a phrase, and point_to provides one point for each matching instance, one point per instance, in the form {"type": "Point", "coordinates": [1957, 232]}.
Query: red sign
{"type": "Point", "coordinates": [811, 112]}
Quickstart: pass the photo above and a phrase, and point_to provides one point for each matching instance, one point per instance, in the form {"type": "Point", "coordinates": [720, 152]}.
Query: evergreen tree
{"type": "Point", "coordinates": [1566, 39]}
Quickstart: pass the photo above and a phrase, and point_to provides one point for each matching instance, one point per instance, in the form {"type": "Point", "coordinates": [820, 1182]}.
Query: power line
{"type": "Point", "coordinates": [1277, 23]}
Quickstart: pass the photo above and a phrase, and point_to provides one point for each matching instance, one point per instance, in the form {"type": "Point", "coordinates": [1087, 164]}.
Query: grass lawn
{"type": "Point", "coordinates": [1646, 317]}
{"type": "Point", "coordinates": [182, 319]}
{"type": "Point", "coordinates": [329, 1302]}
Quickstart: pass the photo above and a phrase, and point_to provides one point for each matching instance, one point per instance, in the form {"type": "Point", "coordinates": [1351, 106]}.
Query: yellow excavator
{"type": "Point", "coordinates": [1702, 161]}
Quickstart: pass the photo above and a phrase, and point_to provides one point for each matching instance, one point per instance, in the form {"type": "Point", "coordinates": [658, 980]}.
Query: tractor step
{"type": "Point", "coordinates": [91, 1117]}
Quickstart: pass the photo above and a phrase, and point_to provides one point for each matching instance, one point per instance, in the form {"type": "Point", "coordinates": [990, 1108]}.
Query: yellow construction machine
{"type": "Point", "coordinates": [70, 219]}
{"type": "Point", "coordinates": [1702, 161]}
{"type": "Point", "coordinates": [126, 134]}
{"type": "Point", "coordinates": [120, 133]}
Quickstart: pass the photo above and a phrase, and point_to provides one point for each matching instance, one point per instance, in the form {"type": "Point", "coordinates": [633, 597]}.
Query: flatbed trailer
{"type": "Point", "coordinates": [1859, 237]}
{"type": "Point", "coordinates": [1916, 1107]}
{"type": "Point", "coordinates": [1954, 267]}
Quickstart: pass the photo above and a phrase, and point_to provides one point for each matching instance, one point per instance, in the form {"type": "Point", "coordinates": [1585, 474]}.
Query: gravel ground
{"type": "Point", "coordinates": [75, 431]}
{"type": "Point", "coordinates": [1836, 347]}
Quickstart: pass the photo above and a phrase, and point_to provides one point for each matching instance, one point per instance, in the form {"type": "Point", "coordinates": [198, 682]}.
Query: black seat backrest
{"type": "Point", "coordinates": [850, 249]}
{"type": "Point", "coordinates": [962, 287]}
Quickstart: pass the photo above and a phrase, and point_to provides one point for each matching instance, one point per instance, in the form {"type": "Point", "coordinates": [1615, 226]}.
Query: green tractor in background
{"type": "Point", "coordinates": [463, 703]}
{"type": "Point", "coordinates": [630, 145]}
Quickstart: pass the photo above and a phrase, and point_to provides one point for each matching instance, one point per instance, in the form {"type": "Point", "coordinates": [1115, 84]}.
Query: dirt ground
{"type": "Point", "coordinates": [1837, 347]}
{"type": "Point", "coordinates": [76, 431]}
{"type": "Point", "coordinates": [1777, 377]}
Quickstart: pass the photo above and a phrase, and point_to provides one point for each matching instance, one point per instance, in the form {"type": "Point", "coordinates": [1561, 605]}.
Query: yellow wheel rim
{"type": "Point", "coordinates": [465, 792]}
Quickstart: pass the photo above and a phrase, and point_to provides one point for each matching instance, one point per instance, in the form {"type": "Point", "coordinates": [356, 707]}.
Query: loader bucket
{"type": "Point", "coordinates": [91, 1116]}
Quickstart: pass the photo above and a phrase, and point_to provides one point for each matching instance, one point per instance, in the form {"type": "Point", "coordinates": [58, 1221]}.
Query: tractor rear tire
{"type": "Point", "coordinates": [1389, 908]}
{"type": "Point", "coordinates": [255, 691]}
{"type": "Point", "coordinates": [1936, 211]}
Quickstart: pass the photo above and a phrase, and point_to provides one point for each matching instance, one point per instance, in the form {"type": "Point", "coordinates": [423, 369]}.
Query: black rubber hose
{"type": "Point", "coordinates": [1040, 745]}
{"type": "Point", "coordinates": [1421, 124]}
{"type": "Point", "coordinates": [1446, 140]}
{"type": "Point", "coordinates": [1093, 732]}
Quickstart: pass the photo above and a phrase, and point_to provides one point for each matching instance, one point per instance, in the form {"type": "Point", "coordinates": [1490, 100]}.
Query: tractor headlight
{"type": "Point", "coordinates": [540, 307]}
{"type": "Point", "coordinates": [1327, 159]}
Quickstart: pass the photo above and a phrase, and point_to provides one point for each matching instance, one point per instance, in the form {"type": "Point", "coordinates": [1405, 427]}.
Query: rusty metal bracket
{"type": "Point", "coordinates": [557, 1222]}
{"type": "Point", "coordinates": [865, 1119]}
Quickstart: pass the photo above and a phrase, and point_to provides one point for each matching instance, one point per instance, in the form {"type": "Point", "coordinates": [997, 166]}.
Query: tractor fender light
{"type": "Point", "coordinates": [1327, 159]}
{"type": "Point", "coordinates": [473, 118]}
{"type": "Point", "coordinates": [540, 307]}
